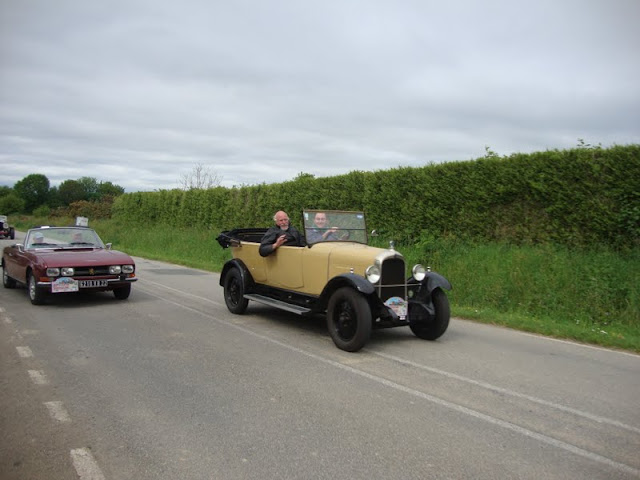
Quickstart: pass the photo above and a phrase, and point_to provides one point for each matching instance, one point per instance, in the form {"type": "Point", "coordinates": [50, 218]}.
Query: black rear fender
{"type": "Point", "coordinates": [247, 279]}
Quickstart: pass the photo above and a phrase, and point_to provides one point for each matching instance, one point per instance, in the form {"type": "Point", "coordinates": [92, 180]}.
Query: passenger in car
{"type": "Point", "coordinates": [320, 232]}
{"type": "Point", "coordinates": [282, 233]}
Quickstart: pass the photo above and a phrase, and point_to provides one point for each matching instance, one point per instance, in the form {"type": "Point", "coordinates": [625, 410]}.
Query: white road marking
{"type": "Point", "coordinates": [569, 342]}
{"type": "Point", "coordinates": [38, 377]}
{"type": "Point", "coordinates": [57, 411]}
{"type": "Point", "coordinates": [24, 352]}
{"type": "Point", "coordinates": [85, 465]}
{"type": "Point", "coordinates": [505, 391]}
{"type": "Point", "coordinates": [416, 393]}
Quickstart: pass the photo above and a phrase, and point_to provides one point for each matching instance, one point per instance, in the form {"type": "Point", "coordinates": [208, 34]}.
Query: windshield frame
{"type": "Point", "coordinates": [351, 223]}
{"type": "Point", "coordinates": [62, 238]}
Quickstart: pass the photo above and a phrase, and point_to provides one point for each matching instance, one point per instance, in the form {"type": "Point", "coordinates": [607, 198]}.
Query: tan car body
{"type": "Point", "coordinates": [359, 287]}
{"type": "Point", "coordinates": [307, 269]}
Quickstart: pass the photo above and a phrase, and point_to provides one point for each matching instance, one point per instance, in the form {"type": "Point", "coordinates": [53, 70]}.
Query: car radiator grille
{"type": "Point", "coordinates": [392, 281]}
{"type": "Point", "coordinates": [90, 272]}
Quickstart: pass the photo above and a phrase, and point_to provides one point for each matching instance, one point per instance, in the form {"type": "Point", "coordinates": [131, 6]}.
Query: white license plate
{"type": "Point", "coordinates": [93, 283]}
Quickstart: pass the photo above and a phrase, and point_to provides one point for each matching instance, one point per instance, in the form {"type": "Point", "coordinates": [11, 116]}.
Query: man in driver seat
{"type": "Point", "coordinates": [282, 233]}
{"type": "Point", "coordinates": [38, 238]}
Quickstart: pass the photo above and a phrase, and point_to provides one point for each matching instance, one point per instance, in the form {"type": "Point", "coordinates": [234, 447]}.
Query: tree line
{"type": "Point", "coordinates": [34, 195]}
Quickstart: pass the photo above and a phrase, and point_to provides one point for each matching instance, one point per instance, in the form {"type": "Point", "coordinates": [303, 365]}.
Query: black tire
{"type": "Point", "coordinates": [36, 295]}
{"type": "Point", "coordinates": [12, 233]}
{"type": "Point", "coordinates": [434, 328]}
{"type": "Point", "coordinates": [7, 281]}
{"type": "Point", "coordinates": [122, 293]}
{"type": "Point", "coordinates": [234, 292]}
{"type": "Point", "coordinates": [349, 319]}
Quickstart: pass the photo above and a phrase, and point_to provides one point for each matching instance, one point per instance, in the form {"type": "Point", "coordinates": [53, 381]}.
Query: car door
{"type": "Point", "coordinates": [284, 268]}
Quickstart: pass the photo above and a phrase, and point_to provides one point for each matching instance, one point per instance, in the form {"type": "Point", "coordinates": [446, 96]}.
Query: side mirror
{"type": "Point", "coordinates": [108, 245]}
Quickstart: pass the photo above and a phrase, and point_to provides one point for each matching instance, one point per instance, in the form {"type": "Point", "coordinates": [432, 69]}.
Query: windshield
{"type": "Point", "coordinates": [334, 226]}
{"type": "Point", "coordinates": [62, 237]}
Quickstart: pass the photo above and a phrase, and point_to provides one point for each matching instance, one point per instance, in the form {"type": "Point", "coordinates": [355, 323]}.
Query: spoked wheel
{"type": "Point", "coordinates": [437, 325]}
{"type": "Point", "coordinates": [234, 292]}
{"type": "Point", "coordinates": [349, 319]}
{"type": "Point", "coordinates": [7, 281]}
{"type": "Point", "coordinates": [36, 295]}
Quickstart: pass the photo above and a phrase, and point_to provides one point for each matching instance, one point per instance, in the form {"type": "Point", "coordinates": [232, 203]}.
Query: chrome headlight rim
{"type": "Point", "coordinates": [53, 272]}
{"type": "Point", "coordinates": [128, 269]}
{"type": "Point", "coordinates": [115, 269]}
{"type": "Point", "coordinates": [419, 272]}
{"type": "Point", "coordinates": [373, 273]}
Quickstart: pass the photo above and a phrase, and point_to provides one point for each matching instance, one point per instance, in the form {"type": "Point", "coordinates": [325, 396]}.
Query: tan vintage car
{"type": "Point", "coordinates": [357, 286]}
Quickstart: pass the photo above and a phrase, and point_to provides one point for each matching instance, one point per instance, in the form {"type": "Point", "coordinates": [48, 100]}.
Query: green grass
{"type": "Point", "coordinates": [590, 296]}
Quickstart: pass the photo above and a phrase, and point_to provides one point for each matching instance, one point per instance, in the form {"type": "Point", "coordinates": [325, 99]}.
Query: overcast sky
{"type": "Point", "coordinates": [138, 92]}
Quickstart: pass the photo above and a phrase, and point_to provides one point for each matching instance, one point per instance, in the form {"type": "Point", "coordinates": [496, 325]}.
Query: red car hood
{"type": "Point", "coordinates": [84, 256]}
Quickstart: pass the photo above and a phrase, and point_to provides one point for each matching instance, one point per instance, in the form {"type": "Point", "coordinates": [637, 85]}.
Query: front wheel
{"type": "Point", "coordinates": [234, 292]}
{"type": "Point", "coordinates": [36, 295]}
{"type": "Point", "coordinates": [122, 293]}
{"type": "Point", "coordinates": [12, 233]}
{"type": "Point", "coordinates": [7, 281]}
{"type": "Point", "coordinates": [349, 319]}
{"type": "Point", "coordinates": [436, 326]}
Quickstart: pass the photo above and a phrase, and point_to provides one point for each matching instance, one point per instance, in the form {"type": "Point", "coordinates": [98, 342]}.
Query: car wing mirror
{"type": "Point", "coordinates": [108, 245]}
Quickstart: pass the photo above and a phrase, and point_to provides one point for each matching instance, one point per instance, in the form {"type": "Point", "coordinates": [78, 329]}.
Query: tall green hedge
{"type": "Point", "coordinates": [581, 196]}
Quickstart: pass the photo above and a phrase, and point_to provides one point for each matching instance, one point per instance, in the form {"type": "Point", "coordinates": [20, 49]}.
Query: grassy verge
{"type": "Point", "coordinates": [591, 296]}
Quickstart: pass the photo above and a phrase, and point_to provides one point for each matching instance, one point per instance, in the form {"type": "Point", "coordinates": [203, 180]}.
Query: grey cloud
{"type": "Point", "coordinates": [138, 92]}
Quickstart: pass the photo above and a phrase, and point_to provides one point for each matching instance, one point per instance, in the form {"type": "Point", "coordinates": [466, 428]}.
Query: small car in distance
{"type": "Point", "coordinates": [358, 287]}
{"type": "Point", "coordinates": [56, 260]}
{"type": "Point", "coordinates": [5, 230]}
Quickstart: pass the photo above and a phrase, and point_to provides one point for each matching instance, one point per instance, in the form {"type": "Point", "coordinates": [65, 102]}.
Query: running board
{"type": "Point", "coordinates": [277, 303]}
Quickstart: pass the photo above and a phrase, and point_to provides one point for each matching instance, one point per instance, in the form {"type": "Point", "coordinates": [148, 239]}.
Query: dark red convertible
{"type": "Point", "coordinates": [56, 260]}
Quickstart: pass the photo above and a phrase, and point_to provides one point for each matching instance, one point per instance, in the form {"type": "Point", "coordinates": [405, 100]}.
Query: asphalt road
{"type": "Point", "coordinates": [170, 385]}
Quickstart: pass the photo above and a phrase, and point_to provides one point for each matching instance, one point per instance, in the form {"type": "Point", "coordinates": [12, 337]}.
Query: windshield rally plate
{"type": "Point", "coordinates": [64, 284]}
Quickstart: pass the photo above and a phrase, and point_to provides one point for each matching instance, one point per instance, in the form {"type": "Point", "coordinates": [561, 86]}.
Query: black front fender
{"type": "Point", "coordinates": [434, 280]}
{"type": "Point", "coordinates": [352, 280]}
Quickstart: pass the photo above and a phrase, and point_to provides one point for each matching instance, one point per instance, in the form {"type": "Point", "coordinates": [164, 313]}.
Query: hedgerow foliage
{"type": "Point", "coordinates": [582, 196]}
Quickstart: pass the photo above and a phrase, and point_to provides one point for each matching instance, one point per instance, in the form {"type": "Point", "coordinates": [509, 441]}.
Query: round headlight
{"type": "Point", "coordinates": [418, 272]}
{"type": "Point", "coordinates": [372, 273]}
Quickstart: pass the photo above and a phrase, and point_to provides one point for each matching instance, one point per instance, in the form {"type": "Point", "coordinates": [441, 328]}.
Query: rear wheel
{"type": "Point", "coordinates": [12, 233]}
{"type": "Point", "coordinates": [434, 328]}
{"type": "Point", "coordinates": [234, 292]}
{"type": "Point", "coordinates": [7, 281]}
{"type": "Point", "coordinates": [36, 295]}
{"type": "Point", "coordinates": [349, 319]}
{"type": "Point", "coordinates": [122, 293]}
